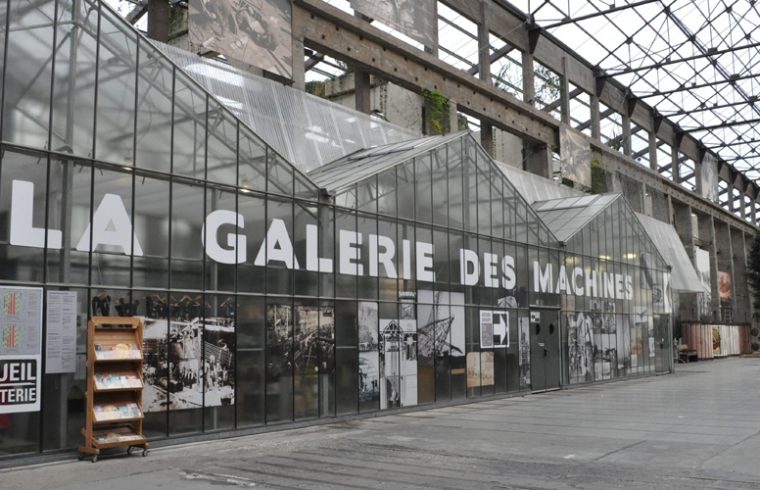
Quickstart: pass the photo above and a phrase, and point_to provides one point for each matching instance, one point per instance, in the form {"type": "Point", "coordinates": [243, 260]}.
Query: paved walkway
{"type": "Point", "coordinates": [695, 429]}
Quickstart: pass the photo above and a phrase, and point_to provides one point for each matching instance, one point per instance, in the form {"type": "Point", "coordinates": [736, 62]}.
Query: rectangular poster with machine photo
{"type": "Point", "coordinates": [20, 349]}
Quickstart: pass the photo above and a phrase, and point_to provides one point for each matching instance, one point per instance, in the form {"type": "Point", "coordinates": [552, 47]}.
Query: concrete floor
{"type": "Point", "coordinates": [698, 428]}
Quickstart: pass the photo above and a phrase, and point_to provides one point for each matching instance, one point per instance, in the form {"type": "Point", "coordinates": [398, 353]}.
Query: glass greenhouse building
{"type": "Point", "coordinates": [401, 274]}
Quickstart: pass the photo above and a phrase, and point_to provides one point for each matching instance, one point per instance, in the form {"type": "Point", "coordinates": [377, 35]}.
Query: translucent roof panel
{"type": "Point", "coordinates": [443, 180]}
{"type": "Point", "coordinates": [695, 61]}
{"type": "Point", "coordinates": [307, 130]}
{"type": "Point", "coordinates": [106, 92]}
{"type": "Point", "coordinates": [535, 188]}
{"type": "Point", "coordinates": [665, 238]}
{"type": "Point", "coordinates": [567, 216]}
{"type": "Point", "coordinates": [604, 227]}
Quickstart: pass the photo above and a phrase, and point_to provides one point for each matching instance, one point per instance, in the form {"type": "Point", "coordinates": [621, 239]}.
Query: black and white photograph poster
{"type": "Point", "coordinates": [523, 332]}
{"type": "Point", "coordinates": [414, 18]}
{"type": "Point", "coordinates": [20, 349]}
{"type": "Point", "coordinates": [189, 377]}
{"type": "Point", "coordinates": [494, 329]}
{"type": "Point", "coordinates": [369, 357]}
{"type": "Point", "coordinates": [441, 323]}
{"type": "Point", "coordinates": [398, 363]}
{"type": "Point", "coordinates": [254, 32]}
{"type": "Point", "coordinates": [580, 347]}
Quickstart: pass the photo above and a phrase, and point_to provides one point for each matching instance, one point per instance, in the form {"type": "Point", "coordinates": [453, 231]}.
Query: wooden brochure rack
{"type": "Point", "coordinates": [114, 416]}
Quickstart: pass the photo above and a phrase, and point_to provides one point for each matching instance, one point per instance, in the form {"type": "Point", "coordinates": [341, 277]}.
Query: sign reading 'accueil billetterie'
{"type": "Point", "coordinates": [20, 349]}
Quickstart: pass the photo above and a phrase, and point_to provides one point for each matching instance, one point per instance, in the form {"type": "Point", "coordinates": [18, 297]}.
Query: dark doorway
{"type": "Point", "coordinates": [544, 350]}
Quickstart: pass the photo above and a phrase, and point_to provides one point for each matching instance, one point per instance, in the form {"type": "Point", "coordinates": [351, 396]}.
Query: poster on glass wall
{"type": "Point", "coordinates": [255, 32]}
{"type": "Point", "coordinates": [709, 177]}
{"type": "Point", "coordinates": [413, 18]}
{"type": "Point", "coordinates": [580, 347]}
{"type": "Point", "coordinates": [369, 357]}
{"type": "Point", "coordinates": [190, 376]}
{"type": "Point", "coordinates": [524, 352]}
{"type": "Point", "coordinates": [398, 362]}
{"type": "Point", "coordinates": [494, 329]}
{"type": "Point", "coordinates": [20, 349]}
{"type": "Point", "coordinates": [442, 327]}
{"type": "Point", "coordinates": [480, 369]}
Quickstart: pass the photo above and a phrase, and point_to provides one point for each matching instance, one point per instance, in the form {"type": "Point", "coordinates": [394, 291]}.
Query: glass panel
{"type": "Point", "coordinates": [221, 145]}
{"type": "Point", "coordinates": [74, 85]}
{"type": "Point", "coordinates": [279, 362]}
{"type": "Point", "coordinates": [69, 211]}
{"type": "Point", "coordinates": [23, 182]}
{"type": "Point", "coordinates": [154, 110]}
{"type": "Point", "coordinates": [306, 359]}
{"type": "Point", "coordinates": [222, 246]}
{"type": "Point", "coordinates": [346, 357]}
{"type": "Point", "coordinates": [252, 209]}
{"type": "Point", "coordinates": [423, 189]}
{"type": "Point", "coordinates": [114, 137]}
{"type": "Point", "coordinates": [252, 158]}
{"type": "Point", "coordinates": [151, 222]}
{"type": "Point", "coordinates": [26, 111]}
{"type": "Point", "coordinates": [219, 361]}
{"type": "Point", "coordinates": [111, 231]}
{"type": "Point", "coordinates": [250, 397]}
{"type": "Point", "coordinates": [186, 366]}
{"type": "Point", "coordinates": [187, 223]}
{"type": "Point", "coordinates": [280, 258]}
{"type": "Point", "coordinates": [189, 128]}
{"type": "Point", "coordinates": [153, 308]}
{"type": "Point", "coordinates": [63, 399]}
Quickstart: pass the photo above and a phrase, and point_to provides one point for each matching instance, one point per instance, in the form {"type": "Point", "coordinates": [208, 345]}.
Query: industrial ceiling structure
{"type": "Point", "coordinates": [662, 82]}
{"type": "Point", "coordinates": [696, 61]}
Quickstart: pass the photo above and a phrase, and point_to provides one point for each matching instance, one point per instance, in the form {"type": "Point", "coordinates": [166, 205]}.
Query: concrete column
{"type": "Point", "coordinates": [158, 20]}
{"type": "Point", "coordinates": [564, 93]}
{"type": "Point", "coordinates": [529, 78]}
{"type": "Point", "coordinates": [653, 150]}
{"type": "Point", "coordinates": [741, 289]}
{"type": "Point", "coordinates": [647, 197]}
{"type": "Point", "coordinates": [298, 70]}
{"type": "Point", "coordinates": [486, 137]}
{"type": "Point", "coordinates": [627, 146]}
{"type": "Point", "coordinates": [688, 310]}
{"type": "Point", "coordinates": [675, 167]}
{"type": "Point", "coordinates": [670, 208]}
{"type": "Point", "coordinates": [715, 299]}
{"type": "Point", "coordinates": [725, 262]}
{"type": "Point", "coordinates": [363, 92]}
{"type": "Point", "coordinates": [538, 159]}
{"type": "Point", "coordinates": [596, 131]}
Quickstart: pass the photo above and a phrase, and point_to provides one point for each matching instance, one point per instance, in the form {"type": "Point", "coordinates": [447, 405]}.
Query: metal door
{"type": "Point", "coordinates": [544, 350]}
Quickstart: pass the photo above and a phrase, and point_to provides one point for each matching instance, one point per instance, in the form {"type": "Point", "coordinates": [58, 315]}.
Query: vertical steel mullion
{"type": "Point", "coordinates": [235, 278]}
{"type": "Point", "coordinates": [6, 35]}
{"type": "Point", "coordinates": [94, 144]}
{"type": "Point", "coordinates": [204, 186]}
{"type": "Point", "coordinates": [267, 151]}
{"type": "Point", "coordinates": [169, 244]}
{"type": "Point", "coordinates": [134, 165]}
{"type": "Point", "coordinates": [43, 346]}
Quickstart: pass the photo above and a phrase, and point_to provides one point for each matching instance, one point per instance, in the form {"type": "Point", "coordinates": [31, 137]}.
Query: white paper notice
{"type": "Point", "coordinates": [61, 351]}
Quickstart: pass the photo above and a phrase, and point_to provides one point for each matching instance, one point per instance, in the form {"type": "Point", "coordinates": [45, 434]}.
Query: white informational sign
{"type": "Point", "coordinates": [494, 329]}
{"type": "Point", "coordinates": [61, 345]}
{"type": "Point", "coordinates": [20, 349]}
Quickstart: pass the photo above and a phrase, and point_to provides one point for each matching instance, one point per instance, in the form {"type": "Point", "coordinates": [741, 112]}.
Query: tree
{"type": "Point", "coordinates": [753, 272]}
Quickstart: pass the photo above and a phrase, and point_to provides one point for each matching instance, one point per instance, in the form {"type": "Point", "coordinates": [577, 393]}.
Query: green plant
{"type": "Point", "coordinates": [598, 177]}
{"type": "Point", "coordinates": [753, 272]}
{"type": "Point", "coordinates": [437, 120]}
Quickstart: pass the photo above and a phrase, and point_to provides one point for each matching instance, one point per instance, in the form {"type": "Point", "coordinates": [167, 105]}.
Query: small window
{"type": "Point", "coordinates": [551, 329]}
{"type": "Point", "coordinates": [538, 328]}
